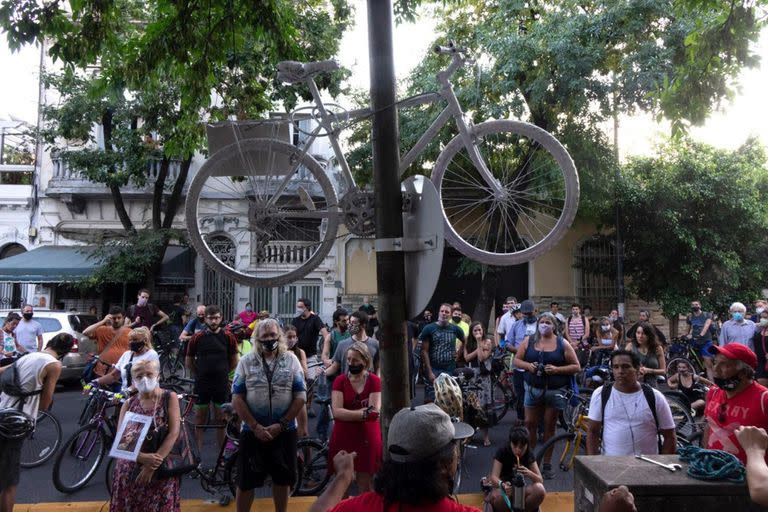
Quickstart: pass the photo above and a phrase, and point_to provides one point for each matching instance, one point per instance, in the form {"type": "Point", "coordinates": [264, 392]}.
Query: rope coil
{"type": "Point", "coordinates": [706, 464]}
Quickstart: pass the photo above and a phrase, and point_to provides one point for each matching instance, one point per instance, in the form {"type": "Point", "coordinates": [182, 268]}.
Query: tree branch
{"type": "Point", "coordinates": [114, 189]}
{"type": "Point", "coordinates": [172, 205]}
{"type": "Point", "coordinates": [157, 193]}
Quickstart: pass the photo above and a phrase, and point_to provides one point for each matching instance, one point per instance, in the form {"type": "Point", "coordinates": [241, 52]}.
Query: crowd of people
{"type": "Point", "coordinates": [270, 373]}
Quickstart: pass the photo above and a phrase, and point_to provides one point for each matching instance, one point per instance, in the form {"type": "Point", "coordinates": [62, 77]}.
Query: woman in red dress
{"type": "Point", "coordinates": [356, 400]}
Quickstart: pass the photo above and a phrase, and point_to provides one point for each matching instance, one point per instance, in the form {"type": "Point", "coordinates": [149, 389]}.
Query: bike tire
{"type": "Point", "coordinates": [563, 454]}
{"type": "Point", "coordinates": [313, 475]}
{"type": "Point", "coordinates": [305, 219]}
{"type": "Point", "coordinates": [681, 413]}
{"type": "Point", "coordinates": [501, 400]}
{"type": "Point", "coordinates": [43, 442]}
{"type": "Point", "coordinates": [511, 236]}
{"type": "Point", "coordinates": [76, 453]}
{"type": "Point", "coordinates": [109, 474]}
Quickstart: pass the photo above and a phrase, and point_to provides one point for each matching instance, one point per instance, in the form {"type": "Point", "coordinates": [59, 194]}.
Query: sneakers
{"type": "Point", "coordinates": [546, 471]}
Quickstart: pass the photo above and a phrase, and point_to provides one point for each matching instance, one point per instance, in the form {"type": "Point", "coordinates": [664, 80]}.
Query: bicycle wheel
{"type": "Point", "coordinates": [681, 414]}
{"type": "Point", "coordinates": [564, 447]}
{"type": "Point", "coordinates": [500, 404]}
{"type": "Point", "coordinates": [313, 467]}
{"type": "Point", "coordinates": [42, 442]}
{"type": "Point", "coordinates": [262, 213]}
{"type": "Point", "coordinates": [109, 474]}
{"type": "Point", "coordinates": [79, 458]}
{"type": "Point", "coordinates": [537, 199]}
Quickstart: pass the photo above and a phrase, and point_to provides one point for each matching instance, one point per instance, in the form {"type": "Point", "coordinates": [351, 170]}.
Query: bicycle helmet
{"type": "Point", "coordinates": [448, 396]}
{"type": "Point", "coordinates": [515, 307]}
{"type": "Point", "coordinates": [15, 424]}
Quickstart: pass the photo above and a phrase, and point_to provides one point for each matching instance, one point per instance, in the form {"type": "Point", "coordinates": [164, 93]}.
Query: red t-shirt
{"type": "Point", "coordinates": [748, 408]}
{"type": "Point", "coordinates": [372, 502]}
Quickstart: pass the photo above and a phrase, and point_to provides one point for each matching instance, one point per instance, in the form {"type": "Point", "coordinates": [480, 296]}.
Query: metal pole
{"type": "Point", "coordinates": [390, 265]}
{"type": "Point", "coordinates": [619, 244]}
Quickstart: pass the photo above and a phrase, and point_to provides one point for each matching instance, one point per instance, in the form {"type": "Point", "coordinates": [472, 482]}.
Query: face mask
{"type": "Point", "coordinates": [248, 308]}
{"type": "Point", "coordinates": [142, 301]}
{"type": "Point", "coordinates": [728, 384]}
{"type": "Point", "coordinates": [763, 322]}
{"type": "Point", "coordinates": [270, 345]}
{"type": "Point", "coordinates": [145, 384]}
{"type": "Point", "coordinates": [759, 310]}
{"type": "Point", "coordinates": [605, 328]}
{"type": "Point", "coordinates": [354, 329]}
{"type": "Point", "coordinates": [456, 319]}
{"type": "Point", "coordinates": [738, 317]}
{"type": "Point", "coordinates": [695, 309]}
{"type": "Point", "coordinates": [136, 346]}
{"type": "Point", "coordinates": [292, 342]}
{"type": "Point", "coordinates": [612, 318]}
{"type": "Point", "coordinates": [529, 319]}
{"type": "Point", "coordinates": [299, 311]}
{"type": "Point", "coordinates": [545, 329]}
{"type": "Point", "coordinates": [355, 369]}
{"type": "Point", "coordinates": [27, 316]}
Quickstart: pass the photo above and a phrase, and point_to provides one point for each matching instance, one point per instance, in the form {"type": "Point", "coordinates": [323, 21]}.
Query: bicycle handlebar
{"type": "Point", "coordinates": [451, 48]}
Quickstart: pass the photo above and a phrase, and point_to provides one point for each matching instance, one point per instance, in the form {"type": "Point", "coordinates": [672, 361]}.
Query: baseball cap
{"type": "Point", "coordinates": [736, 351]}
{"type": "Point", "coordinates": [417, 433]}
{"type": "Point", "coordinates": [527, 306]}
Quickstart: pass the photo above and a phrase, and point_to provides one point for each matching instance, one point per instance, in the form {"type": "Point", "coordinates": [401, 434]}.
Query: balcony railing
{"type": "Point", "coordinates": [63, 172]}
{"type": "Point", "coordinates": [286, 253]}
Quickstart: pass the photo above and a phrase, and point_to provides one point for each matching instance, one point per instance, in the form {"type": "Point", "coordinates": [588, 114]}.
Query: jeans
{"type": "Point", "coordinates": [519, 387]}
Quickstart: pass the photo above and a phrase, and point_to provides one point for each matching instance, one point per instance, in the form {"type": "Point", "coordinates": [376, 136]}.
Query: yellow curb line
{"type": "Point", "coordinates": [555, 502]}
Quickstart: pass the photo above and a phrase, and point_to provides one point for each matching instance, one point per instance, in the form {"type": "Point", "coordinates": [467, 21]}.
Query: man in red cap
{"type": "Point", "coordinates": [736, 401]}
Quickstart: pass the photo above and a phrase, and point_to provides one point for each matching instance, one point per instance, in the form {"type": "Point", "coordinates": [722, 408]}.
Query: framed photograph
{"type": "Point", "coordinates": [130, 436]}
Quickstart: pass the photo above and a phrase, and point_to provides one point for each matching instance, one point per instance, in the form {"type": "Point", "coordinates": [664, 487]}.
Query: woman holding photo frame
{"type": "Point", "coordinates": [152, 412]}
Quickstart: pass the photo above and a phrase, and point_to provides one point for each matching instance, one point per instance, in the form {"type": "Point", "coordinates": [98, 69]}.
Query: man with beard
{"type": "Point", "coordinates": [111, 336]}
{"type": "Point", "coordinates": [438, 349]}
{"type": "Point", "coordinates": [211, 355]}
{"type": "Point", "coordinates": [737, 401]}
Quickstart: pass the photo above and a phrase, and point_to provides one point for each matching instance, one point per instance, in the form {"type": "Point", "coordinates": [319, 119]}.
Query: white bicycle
{"type": "Point", "coordinates": [508, 189]}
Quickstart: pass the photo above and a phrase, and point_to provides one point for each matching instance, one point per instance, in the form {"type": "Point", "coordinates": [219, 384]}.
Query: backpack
{"type": "Point", "coordinates": [650, 397]}
{"type": "Point", "coordinates": [10, 383]}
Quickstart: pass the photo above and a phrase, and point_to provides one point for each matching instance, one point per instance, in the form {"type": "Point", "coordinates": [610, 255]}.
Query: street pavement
{"type": "Point", "coordinates": [36, 484]}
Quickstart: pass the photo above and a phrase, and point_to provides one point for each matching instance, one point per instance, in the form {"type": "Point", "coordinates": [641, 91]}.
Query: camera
{"type": "Point", "coordinates": [539, 370]}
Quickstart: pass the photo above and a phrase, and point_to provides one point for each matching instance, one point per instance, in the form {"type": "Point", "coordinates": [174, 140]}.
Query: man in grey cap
{"type": "Point", "coordinates": [418, 472]}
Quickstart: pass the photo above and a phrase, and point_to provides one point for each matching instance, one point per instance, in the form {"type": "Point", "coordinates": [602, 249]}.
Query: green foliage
{"type": "Point", "coordinates": [692, 218]}
{"type": "Point", "coordinates": [128, 259]}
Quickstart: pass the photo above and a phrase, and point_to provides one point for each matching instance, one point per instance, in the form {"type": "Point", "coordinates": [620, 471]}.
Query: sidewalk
{"type": "Point", "coordinates": [555, 502]}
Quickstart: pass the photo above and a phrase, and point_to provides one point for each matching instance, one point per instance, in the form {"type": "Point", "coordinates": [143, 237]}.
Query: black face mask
{"type": "Point", "coordinates": [28, 316]}
{"type": "Point", "coordinates": [728, 384]}
{"type": "Point", "coordinates": [201, 318]}
{"type": "Point", "coordinates": [355, 369]}
{"type": "Point", "coordinates": [136, 346]}
{"type": "Point", "coordinates": [270, 345]}
{"type": "Point", "coordinates": [529, 319]}
{"type": "Point", "coordinates": [457, 319]}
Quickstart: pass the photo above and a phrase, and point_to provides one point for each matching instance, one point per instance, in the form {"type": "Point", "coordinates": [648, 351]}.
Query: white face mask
{"type": "Point", "coordinates": [145, 384]}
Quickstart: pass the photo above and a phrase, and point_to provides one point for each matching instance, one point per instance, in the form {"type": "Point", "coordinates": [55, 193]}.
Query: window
{"type": "Point", "coordinates": [595, 264]}
{"type": "Point", "coordinates": [285, 297]}
{"type": "Point", "coordinates": [48, 324]}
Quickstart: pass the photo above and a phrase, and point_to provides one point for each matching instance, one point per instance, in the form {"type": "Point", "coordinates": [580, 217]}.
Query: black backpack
{"type": "Point", "coordinates": [10, 383]}
{"type": "Point", "coordinates": [650, 397]}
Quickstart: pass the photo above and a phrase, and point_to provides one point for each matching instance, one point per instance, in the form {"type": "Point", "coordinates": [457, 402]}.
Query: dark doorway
{"type": "Point", "coordinates": [10, 293]}
{"type": "Point", "coordinates": [466, 288]}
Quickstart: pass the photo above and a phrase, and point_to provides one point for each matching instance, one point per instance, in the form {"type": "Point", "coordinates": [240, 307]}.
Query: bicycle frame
{"type": "Point", "coordinates": [325, 120]}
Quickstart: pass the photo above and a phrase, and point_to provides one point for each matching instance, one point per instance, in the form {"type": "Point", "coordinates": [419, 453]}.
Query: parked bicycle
{"type": "Point", "coordinates": [170, 354]}
{"type": "Point", "coordinates": [509, 190]}
{"type": "Point", "coordinates": [42, 442]}
{"type": "Point", "coordinates": [686, 348]}
{"type": "Point", "coordinates": [82, 454]}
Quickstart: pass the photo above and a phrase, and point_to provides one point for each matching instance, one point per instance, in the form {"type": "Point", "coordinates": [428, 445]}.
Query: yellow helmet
{"type": "Point", "coordinates": [448, 396]}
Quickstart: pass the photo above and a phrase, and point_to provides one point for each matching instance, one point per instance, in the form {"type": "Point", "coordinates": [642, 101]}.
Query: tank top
{"type": "Point", "coordinates": [30, 368]}
{"type": "Point", "coordinates": [649, 360]}
{"type": "Point", "coordinates": [555, 357]}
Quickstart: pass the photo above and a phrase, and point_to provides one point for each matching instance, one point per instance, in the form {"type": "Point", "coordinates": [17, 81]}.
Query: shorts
{"type": "Point", "coordinates": [702, 348]}
{"type": "Point", "coordinates": [276, 459]}
{"type": "Point", "coordinates": [547, 397]}
{"type": "Point", "coordinates": [207, 392]}
{"type": "Point", "coordinates": [10, 461]}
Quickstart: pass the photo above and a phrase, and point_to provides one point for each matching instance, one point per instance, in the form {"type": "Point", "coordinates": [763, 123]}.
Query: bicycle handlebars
{"type": "Point", "coordinates": [450, 48]}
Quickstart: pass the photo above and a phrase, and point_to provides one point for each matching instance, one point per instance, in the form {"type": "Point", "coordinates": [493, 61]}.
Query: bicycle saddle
{"type": "Point", "coordinates": [291, 72]}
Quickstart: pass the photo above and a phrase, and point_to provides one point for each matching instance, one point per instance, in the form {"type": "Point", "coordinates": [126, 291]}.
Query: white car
{"type": "Point", "coordinates": [54, 322]}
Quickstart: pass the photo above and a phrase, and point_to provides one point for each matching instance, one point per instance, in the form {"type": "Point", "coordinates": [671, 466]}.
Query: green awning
{"type": "Point", "coordinates": [61, 264]}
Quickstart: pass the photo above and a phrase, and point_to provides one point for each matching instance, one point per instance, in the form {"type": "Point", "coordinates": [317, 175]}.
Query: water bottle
{"type": "Point", "coordinates": [518, 493]}
{"type": "Point", "coordinates": [9, 347]}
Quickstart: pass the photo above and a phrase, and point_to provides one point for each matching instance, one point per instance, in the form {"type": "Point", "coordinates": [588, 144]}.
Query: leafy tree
{"type": "Point", "coordinates": [162, 68]}
{"type": "Point", "coordinates": [569, 66]}
{"type": "Point", "coordinates": [693, 218]}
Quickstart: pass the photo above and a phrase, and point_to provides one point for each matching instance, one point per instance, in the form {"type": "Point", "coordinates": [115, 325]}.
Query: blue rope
{"type": "Point", "coordinates": [712, 464]}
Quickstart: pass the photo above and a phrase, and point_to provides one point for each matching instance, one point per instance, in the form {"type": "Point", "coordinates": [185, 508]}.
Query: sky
{"type": "Point", "coordinates": [728, 128]}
